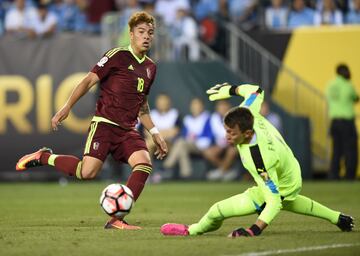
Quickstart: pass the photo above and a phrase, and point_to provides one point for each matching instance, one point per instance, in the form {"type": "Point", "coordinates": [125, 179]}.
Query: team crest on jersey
{"type": "Point", "coordinates": [148, 72]}
{"type": "Point", "coordinates": [96, 145]}
{"type": "Point", "coordinates": [102, 62]}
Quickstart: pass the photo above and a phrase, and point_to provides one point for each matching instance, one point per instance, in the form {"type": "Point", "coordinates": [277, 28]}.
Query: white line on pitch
{"type": "Point", "coordinates": [300, 249]}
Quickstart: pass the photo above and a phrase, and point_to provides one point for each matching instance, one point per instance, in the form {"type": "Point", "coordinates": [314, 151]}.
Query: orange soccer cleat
{"type": "Point", "coordinates": [115, 223]}
{"type": "Point", "coordinates": [31, 160]}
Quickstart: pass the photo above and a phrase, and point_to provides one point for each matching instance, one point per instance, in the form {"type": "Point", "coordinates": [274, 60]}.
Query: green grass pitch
{"type": "Point", "coordinates": [49, 219]}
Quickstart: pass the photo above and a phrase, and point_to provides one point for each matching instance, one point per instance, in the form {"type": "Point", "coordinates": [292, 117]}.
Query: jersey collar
{"type": "Point", "coordinates": [136, 57]}
{"type": "Point", "coordinates": [253, 139]}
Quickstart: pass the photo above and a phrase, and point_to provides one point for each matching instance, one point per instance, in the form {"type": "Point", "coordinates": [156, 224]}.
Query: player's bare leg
{"type": "Point", "coordinates": [90, 167]}
{"type": "Point", "coordinates": [141, 169]}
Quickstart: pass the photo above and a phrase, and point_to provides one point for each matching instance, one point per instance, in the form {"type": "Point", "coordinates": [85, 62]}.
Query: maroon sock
{"type": "Point", "coordinates": [44, 158]}
{"type": "Point", "coordinates": [63, 163]}
{"type": "Point", "coordinates": [137, 179]}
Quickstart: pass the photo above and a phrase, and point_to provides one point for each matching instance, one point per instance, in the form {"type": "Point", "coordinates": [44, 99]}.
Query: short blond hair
{"type": "Point", "coordinates": [140, 17]}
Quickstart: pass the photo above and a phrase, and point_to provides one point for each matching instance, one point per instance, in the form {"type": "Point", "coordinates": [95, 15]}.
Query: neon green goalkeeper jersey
{"type": "Point", "coordinates": [268, 158]}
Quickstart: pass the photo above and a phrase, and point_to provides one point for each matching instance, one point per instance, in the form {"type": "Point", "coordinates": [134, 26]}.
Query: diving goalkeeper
{"type": "Point", "coordinates": [270, 162]}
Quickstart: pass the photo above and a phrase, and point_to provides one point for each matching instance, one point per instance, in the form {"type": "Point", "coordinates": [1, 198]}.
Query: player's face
{"type": "Point", "coordinates": [235, 136]}
{"type": "Point", "coordinates": [142, 36]}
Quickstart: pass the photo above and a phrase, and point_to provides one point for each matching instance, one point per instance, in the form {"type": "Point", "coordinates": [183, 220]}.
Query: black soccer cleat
{"type": "Point", "coordinates": [345, 222]}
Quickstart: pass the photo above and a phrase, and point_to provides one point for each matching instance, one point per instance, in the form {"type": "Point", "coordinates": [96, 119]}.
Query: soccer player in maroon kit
{"type": "Point", "coordinates": [125, 75]}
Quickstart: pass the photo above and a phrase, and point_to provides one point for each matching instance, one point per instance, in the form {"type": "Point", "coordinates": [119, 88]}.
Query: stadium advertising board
{"type": "Point", "coordinates": [36, 78]}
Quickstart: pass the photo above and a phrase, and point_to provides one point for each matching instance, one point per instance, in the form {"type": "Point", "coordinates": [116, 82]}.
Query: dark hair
{"type": "Point", "coordinates": [241, 117]}
{"type": "Point", "coordinates": [343, 70]}
{"type": "Point", "coordinates": [140, 17]}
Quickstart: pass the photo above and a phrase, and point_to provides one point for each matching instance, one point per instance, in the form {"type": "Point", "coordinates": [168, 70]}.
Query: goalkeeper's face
{"type": "Point", "coordinates": [234, 136]}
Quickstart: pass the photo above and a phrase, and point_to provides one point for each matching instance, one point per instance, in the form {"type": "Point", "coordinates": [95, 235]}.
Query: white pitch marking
{"type": "Point", "coordinates": [300, 249]}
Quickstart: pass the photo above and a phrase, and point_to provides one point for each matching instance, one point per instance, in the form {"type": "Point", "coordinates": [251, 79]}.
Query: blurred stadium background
{"type": "Point", "coordinates": [291, 52]}
{"type": "Point", "coordinates": [198, 43]}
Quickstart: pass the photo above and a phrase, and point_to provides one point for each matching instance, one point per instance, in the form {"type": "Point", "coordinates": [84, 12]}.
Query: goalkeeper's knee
{"type": "Point", "coordinates": [214, 213]}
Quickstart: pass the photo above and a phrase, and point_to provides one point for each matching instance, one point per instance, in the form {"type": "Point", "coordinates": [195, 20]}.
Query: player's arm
{"type": "Point", "coordinates": [270, 191]}
{"type": "Point", "coordinates": [83, 87]}
{"type": "Point", "coordinates": [355, 96]}
{"type": "Point", "coordinates": [145, 119]}
{"type": "Point", "coordinates": [253, 95]}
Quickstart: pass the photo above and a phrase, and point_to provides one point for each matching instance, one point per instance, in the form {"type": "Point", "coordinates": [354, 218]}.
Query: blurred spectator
{"type": "Point", "coordinates": [44, 24]}
{"type": "Point", "coordinates": [276, 15]}
{"type": "Point", "coordinates": [64, 17]}
{"type": "Point", "coordinates": [1, 27]}
{"type": "Point", "coordinates": [341, 97]}
{"type": "Point", "coordinates": [184, 34]}
{"type": "Point", "coordinates": [351, 5]}
{"type": "Point", "coordinates": [328, 15]}
{"type": "Point", "coordinates": [343, 5]}
{"type": "Point", "coordinates": [220, 154]}
{"type": "Point", "coordinates": [196, 137]}
{"type": "Point", "coordinates": [209, 31]}
{"type": "Point", "coordinates": [130, 7]}
{"type": "Point", "coordinates": [148, 6]}
{"type": "Point", "coordinates": [4, 6]}
{"type": "Point", "coordinates": [18, 18]}
{"type": "Point", "coordinates": [67, 13]}
{"type": "Point", "coordinates": [95, 10]}
{"type": "Point", "coordinates": [243, 13]}
{"type": "Point", "coordinates": [167, 9]}
{"type": "Point", "coordinates": [166, 119]}
{"type": "Point", "coordinates": [300, 15]}
{"type": "Point", "coordinates": [220, 41]}
{"type": "Point", "coordinates": [205, 8]}
{"type": "Point", "coordinates": [81, 21]}
{"type": "Point", "coordinates": [272, 117]}
{"type": "Point", "coordinates": [353, 16]}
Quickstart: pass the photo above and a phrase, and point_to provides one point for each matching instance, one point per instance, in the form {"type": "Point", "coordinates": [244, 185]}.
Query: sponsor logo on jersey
{"type": "Point", "coordinates": [130, 67]}
{"type": "Point", "coordinates": [102, 62]}
{"type": "Point", "coordinates": [148, 72]}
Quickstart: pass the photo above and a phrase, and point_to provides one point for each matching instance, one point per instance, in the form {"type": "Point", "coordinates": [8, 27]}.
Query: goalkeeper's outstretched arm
{"type": "Point", "coordinates": [253, 94]}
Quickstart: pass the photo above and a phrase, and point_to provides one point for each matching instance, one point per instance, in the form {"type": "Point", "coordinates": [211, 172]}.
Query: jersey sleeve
{"type": "Point", "coordinates": [330, 93]}
{"type": "Point", "coordinates": [270, 190]}
{"type": "Point", "coordinates": [253, 96]}
{"type": "Point", "coordinates": [354, 95]}
{"type": "Point", "coordinates": [267, 181]}
{"type": "Point", "coordinates": [105, 64]}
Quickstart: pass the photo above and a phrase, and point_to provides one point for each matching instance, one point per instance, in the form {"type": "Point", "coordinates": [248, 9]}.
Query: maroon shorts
{"type": "Point", "coordinates": [104, 138]}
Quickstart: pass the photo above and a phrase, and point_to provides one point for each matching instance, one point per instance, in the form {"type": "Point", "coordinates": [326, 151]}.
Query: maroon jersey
{"type": "Point", "coordinates": [125, 80]}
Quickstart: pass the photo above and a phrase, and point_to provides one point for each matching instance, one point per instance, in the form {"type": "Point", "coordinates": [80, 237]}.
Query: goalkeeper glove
{"type": "Point", "coordinates": [254, 230]}
{"type": "Point", "coordinates": [221, 91]}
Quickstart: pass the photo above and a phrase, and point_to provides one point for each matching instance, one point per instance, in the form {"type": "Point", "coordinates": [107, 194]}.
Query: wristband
{"type": "Point", "coordinates": [154, 130]}
{"type": "Point", "coordinates": [255, 230]}
{"type": "Point", "coordinates": [232, 90]}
